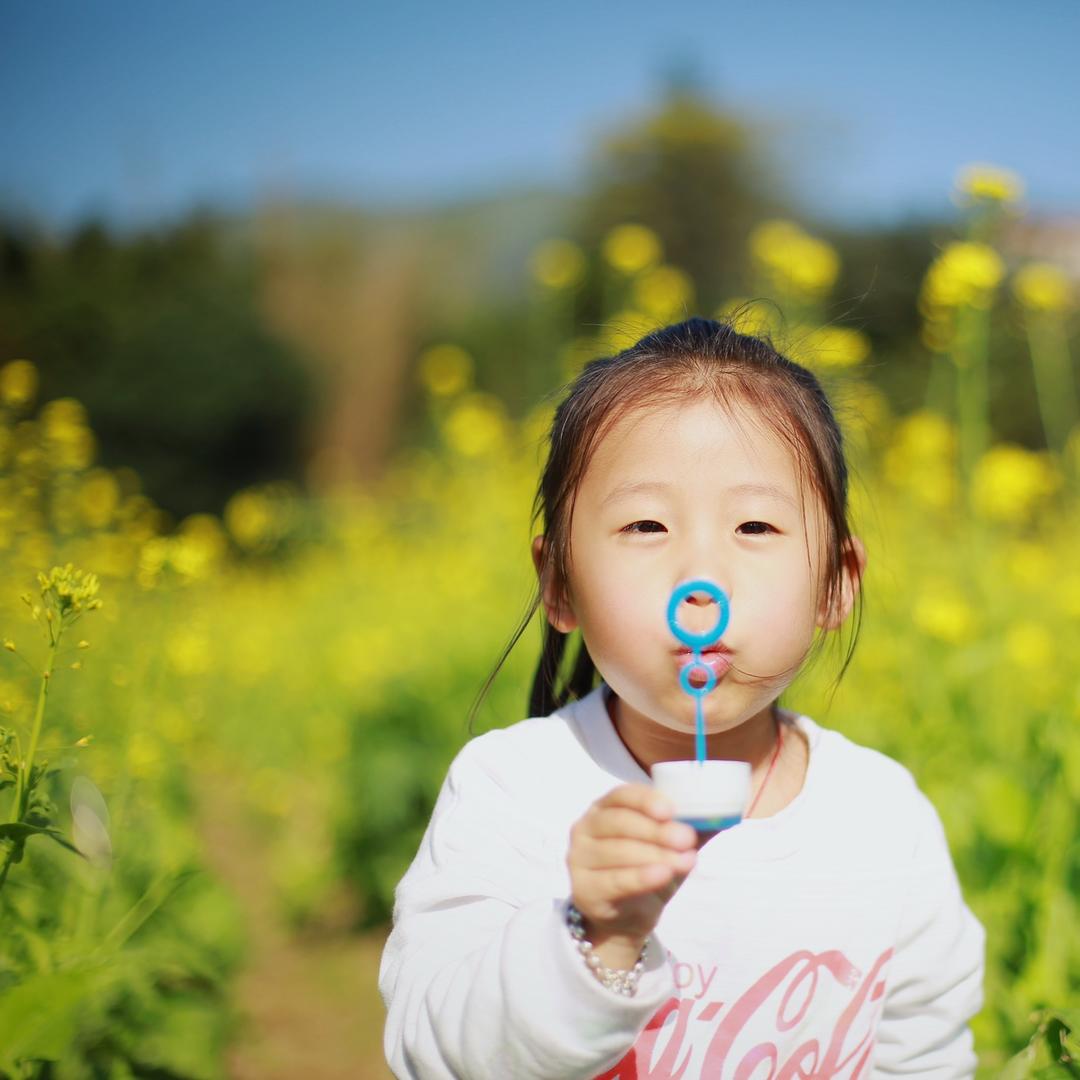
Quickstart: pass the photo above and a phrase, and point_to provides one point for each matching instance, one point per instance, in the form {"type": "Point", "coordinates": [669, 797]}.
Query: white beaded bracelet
{"type": "Point", "coordinates": [622, 982]}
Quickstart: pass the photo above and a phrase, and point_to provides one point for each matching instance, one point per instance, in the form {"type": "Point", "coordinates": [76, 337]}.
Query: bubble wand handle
{"type": "Point", "coordinates": [696, 643]}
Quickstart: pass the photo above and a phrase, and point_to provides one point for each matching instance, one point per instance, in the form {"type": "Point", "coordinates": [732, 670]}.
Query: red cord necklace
{"type": "Point", "coordinates": [772, 765]}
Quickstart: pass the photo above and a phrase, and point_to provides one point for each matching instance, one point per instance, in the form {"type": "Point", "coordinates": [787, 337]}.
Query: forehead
{"type": "Point", "coordinates": [693, 442]}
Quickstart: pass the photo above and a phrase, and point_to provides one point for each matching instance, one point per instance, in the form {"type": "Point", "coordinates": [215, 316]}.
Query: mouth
{"type": "Point", "coordinates": [717, 658]}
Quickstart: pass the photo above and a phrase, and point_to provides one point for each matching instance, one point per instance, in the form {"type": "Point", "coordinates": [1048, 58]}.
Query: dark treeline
{"type": "Point", "coordinates": [215, 352]}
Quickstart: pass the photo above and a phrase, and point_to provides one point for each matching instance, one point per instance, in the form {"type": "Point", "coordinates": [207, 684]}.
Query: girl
{"type": "Point", "coordinates": [557, 922]}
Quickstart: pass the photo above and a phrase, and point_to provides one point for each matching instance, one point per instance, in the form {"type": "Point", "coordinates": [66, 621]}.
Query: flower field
{"type": "Point", "coordinates": [313, 664]}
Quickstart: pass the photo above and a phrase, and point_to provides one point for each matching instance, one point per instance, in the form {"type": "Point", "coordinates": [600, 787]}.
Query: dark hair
{"type": "Point", "coordinates": [692, 357]}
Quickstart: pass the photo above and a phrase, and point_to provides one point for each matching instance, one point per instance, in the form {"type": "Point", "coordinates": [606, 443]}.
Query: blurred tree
{"type": "Point", "coordinates": [159, 336]}
{"type": "Point", "coordinates": [341, 289]}
{"type": "Point", "coordinates": [692, 173]}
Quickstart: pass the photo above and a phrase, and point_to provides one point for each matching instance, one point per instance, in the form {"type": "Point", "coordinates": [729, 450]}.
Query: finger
{"type": "Point", "coordinates": [640, 797]}
{"type": "Point", "coordinates": [627, 881]}
{"type": "Point", "coordinates": [618, 822]}
{"type": "Point", "coordinates": [610, 854]}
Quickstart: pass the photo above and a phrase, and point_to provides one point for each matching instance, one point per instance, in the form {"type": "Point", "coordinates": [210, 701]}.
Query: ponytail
{"type": "Point", "coordinates": [546, 696]}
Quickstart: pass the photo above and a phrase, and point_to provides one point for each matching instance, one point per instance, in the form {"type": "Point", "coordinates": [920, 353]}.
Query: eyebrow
{"type": "Point", "coordinates": [769, 490]}
{"type": "Point", "coordinates": [659, 487]}
{"type": "Point", "coordinates": [635, 487]}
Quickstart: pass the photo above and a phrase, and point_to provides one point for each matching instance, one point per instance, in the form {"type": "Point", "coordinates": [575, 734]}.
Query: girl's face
{"type": "Point", "coordinates": [685, 491]}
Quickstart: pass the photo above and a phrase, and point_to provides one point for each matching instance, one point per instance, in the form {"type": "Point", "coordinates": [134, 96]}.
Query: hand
{"type": "Point", "coordinates": [627, 858]}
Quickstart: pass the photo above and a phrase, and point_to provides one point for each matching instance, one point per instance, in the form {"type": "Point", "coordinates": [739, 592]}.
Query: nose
{"type": "Point", "coordinates": [698, 612]}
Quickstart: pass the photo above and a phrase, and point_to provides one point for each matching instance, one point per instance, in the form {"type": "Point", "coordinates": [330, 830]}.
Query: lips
{"type": "Point", "coordinates": [717, 658]}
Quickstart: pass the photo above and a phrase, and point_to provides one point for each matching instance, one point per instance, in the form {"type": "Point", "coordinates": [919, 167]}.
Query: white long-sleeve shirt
{"type": "Point", "coordinates": [829, 940]}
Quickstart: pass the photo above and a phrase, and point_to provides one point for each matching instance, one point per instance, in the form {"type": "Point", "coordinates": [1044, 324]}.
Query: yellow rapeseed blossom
{"type": "Point", "coordinates": [558, 264]}
{"type": "Point", "coordinates": [70, 442]}
{"type": "Point", "coordinates": [829, 347]}
{"type": "Point", "coordinates": [966, 272]}
{"type": "Point", "coordinates": [624, 329]}
{"type": "Point", "coordinates": [921, 459]}
{"type": "Point", "coordinates": [98, 498]}
{"type": "Point", "coordinates": [1041, 286]}
{"type": "Point", "coordinates": [758, 318]}
{"type": "Point", "coordinates": [1030, 563]}
{"type": "Point", "coordinates": [793, 259]}
{"type": "Point", "coordinates": [144, 760]}
{"type": "Point", "coordinates": [249, 518]}
{"type": "Point", "coordinates": [631, 248]}
{"type": "Point", "coordinates": [446, 370]}
{"type": "Point", "coordinates": [1068, 596]}
{"type": "Point", "coordinates": [666, 293]}
{"type": "Point", "coordinates": [984, 183]}
{"type": "Point", "coordinates": [18, 383]}
{"type": "Point", "coordinates": [188, 652]}
{"type": "Point", "coordinates": [942, 612]}
{"type": "Point", "coordinates": [198, 547]}
{"type": "Point", "coordinates": [477, 426]}
{"type": "Point", "coordinates": [67, 592]}
{"type": "Point", "coordinates": [1030, 645]}
{"type": "Point", "coordinates": [1010, 481]}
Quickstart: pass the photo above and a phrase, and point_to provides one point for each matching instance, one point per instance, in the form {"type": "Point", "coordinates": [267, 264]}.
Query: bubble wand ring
{"type": "Point", "coordinates": [696, 643]}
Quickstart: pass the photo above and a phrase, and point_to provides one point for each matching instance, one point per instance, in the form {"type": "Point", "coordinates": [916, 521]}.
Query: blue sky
{"type": "Point", "coordinates": [140, 110]}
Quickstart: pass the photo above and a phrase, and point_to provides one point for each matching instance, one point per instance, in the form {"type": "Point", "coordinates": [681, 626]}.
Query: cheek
{"type": "Point", "coordinates": [783, 603]}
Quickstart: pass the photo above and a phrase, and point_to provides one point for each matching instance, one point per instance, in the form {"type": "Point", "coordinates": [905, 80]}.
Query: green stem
{"type": "Point", "coordinates": [22, 779]}
{"type": "Point", "coordinates": [22, 773]}
{"type": "Point", "coordinates": [973, 388]}
{"type": "Point", "coordinates": [1053, 383]}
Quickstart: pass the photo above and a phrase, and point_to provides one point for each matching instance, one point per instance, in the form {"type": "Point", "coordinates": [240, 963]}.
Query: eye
{"type": "Point", "coordinates": [755, 528]}
{"type": "Point", "coordinates": [643, 527]}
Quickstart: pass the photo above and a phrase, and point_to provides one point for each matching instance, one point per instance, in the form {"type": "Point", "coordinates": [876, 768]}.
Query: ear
{"type": "Point", "coordinates": [552, 595]}
{"type": "Point", "coordinates": [831, 616]}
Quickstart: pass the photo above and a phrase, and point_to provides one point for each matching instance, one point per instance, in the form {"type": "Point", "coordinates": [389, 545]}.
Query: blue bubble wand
{"type": "Point", "coordinates": [696, 643]}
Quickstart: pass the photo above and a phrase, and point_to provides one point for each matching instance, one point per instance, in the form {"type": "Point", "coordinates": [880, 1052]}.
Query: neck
{"type": "Point", "coordinates": [754, 740]}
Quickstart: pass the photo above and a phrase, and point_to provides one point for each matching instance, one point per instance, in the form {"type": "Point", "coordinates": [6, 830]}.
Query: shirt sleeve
{"type": "Point", "coordinates": [480, 976]}
{"type": "Point", "coordinates": [936, 974]}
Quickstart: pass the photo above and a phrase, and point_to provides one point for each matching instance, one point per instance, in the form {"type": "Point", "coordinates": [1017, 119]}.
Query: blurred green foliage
{"type": "Point", "coordinates": [158, 335]}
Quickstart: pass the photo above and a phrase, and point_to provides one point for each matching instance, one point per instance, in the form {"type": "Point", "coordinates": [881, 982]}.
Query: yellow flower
{"type": "Point", "coordinates": [793, 259]}
{"type": "Point", "coordinates": [1010, 481]}
{"type": "Point", "coordinates": [198, 547]}
{"type": "Point", "coordinates": [558, 264]}
{"type": "Point", "coordinates": [18, 383]}
{"type": "Point", "coordinates": [68, 592]}
{"type": "Point", "coordinates": [1030, 563]}
{"type": "Point", "coordinates": [989, 184]}
{"type": "Point", "coordinates": [98, 498]}
{"type": "Point", "coordinates": [664, 293]}
{"type": "Point", "coordinates": [623, 329]}
{"type": "Point", "coordinates": [70, 441]}
{"type": "Point", "coordinates": [249, 517]}
{"type": "Point", "coordinates": [921, 459]}
{"type": "Point", "coordinates": [446, 370]}
{"type": "Point", "coordinates": [941, 611]}
{"type": "Point", "coordinates": [830, 347]}
{"type": "Point", "coordinates": [754, 317]}
{"type": "Point", "coordinates": [631, 248]}
{"type": "Point", "coordinates": [1030, 646]}
{"type": "Point", "coordinates": [966, 272]}
{"type": "Point", "coordinates": [1041, 286]}
{"type": "Point", "coordinates": [188, 652]}
{"type": "Point", "coordinates": [477, 426]}
{"type": "Point", "coordinates": [143, 756]}
{"type": "Point", "coordinates": [1068, 595]}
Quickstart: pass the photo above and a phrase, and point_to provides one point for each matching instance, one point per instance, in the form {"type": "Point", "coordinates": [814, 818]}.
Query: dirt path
{"type": "Point", "coordinates": [310, 1007]}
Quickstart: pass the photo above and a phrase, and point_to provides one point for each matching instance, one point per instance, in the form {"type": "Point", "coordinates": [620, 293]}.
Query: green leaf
{"type": "Point", "coordinates": [39, 1017]}
{"type": "Point", "coordinates": [20, 830]}
{"type": "Point", "coordinates": [1019, 1067]}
